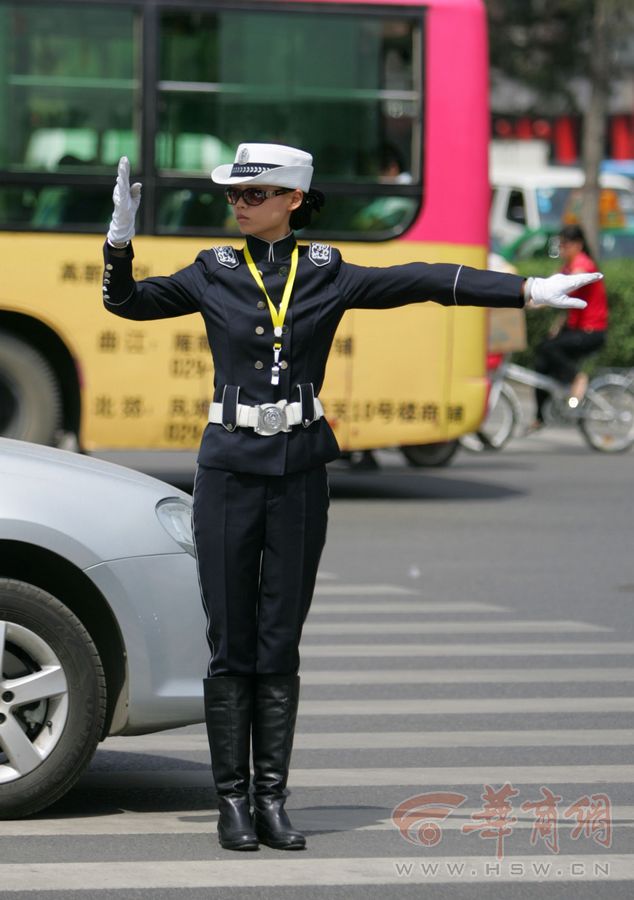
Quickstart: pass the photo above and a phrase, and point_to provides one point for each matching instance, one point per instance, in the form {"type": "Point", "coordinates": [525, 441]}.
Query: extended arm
{"type": "Point", "coordinates": [444, 283]}
{"type": "Point", "coordinates": [454, 285]}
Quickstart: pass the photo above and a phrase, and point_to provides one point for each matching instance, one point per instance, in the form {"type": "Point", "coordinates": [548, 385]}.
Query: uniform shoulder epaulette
{"type": "Point", "coordinates": [319, 254]}
{"type": "Point", "coordinates": [226, 256]}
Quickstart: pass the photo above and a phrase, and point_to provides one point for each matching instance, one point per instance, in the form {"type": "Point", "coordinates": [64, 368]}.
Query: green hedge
{"type": "Point", "coordinates": [618, 351]}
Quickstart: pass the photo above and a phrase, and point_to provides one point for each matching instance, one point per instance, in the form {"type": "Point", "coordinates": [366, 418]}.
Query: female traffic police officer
{"type": "Point", "coordinates": [260, 506]}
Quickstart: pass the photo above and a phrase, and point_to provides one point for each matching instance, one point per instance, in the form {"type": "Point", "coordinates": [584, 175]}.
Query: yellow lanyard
{"type": "Point", "coordinates": [277, 315]}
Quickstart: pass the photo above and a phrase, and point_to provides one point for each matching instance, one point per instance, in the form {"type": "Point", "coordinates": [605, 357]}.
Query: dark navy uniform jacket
{"type": "Point", "coordinates": [220, 287]}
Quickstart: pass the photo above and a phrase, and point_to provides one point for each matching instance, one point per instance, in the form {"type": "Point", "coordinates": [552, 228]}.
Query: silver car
{"type": "Point", "coordinates": [101, 626]}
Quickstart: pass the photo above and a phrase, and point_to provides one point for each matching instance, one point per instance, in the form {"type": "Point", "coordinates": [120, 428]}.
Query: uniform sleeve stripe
{"type": "Point", "coordinates": [455, 284]}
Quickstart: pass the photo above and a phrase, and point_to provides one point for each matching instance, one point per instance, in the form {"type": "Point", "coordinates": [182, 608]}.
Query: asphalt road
{"type": "Point", "coordinates": [472, 626]}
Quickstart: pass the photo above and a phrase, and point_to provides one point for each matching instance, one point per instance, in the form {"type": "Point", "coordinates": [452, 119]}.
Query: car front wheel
{"type": "Point", "coordinates": [52, 699]}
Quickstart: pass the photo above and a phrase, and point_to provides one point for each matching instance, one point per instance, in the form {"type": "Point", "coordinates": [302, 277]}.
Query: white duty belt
{"type": "Point", "coordinates": [266, 419]}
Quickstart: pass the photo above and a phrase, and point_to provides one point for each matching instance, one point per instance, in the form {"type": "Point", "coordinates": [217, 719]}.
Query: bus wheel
{"type": "Point", "coordinates": [30, 396]}
{"type": "Point", "coordinates": [430, 454]}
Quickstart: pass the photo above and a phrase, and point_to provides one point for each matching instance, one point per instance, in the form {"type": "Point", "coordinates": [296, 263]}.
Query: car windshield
{"type": "Point", "coordinates": [562, 205]}
{"type": "Point", "coordinates": [615, 245]}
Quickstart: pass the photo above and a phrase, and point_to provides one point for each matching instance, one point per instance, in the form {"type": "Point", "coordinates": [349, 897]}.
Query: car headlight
{"type": "Point", "coordinates": [175, 515]}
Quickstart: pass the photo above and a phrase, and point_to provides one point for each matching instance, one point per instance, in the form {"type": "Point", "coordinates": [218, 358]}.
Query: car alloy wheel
{"type": "Point", "coordinates": [52, 698]}
{"type": "Point", "coordinates": [33, 701]}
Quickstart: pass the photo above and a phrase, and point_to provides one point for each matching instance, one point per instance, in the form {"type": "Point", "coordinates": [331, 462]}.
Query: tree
{"type": "Point", "coordinates": [606, 22]}
{"type": "Point", "coordinates": [568, 55]}
{"type": "Point", "coordinates": [542, 46]}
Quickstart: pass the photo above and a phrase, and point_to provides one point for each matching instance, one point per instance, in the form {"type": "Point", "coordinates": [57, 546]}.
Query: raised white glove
{"type": "Point", "coordinates": [554, 291]}
{"type": "Point", "coordinates": [126, 202]}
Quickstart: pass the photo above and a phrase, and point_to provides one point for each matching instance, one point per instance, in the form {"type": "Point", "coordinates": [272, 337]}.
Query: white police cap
{"type": "Point", "coordinates": [272, 164]}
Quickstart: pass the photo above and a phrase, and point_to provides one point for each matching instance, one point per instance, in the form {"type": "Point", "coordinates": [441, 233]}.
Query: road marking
{"type": "Point", "coordinates": [403, 776]}
{"type": "Point", "coordinates": [506, 648]}
{"type": "Point", "coordinates": [467, 676]}
{"type": "Point", "coordinates": [363, 590]}
{"type": "Point", "coordinates": [466, 706]}
{"type": "Point", "coordinates": [511, 626]}
{"type": "Point", "coordinates": [394, 740]}
{"type": "Point", "coordinates": [309, 819]}
{"type": "Point", "coordinates": [321, 607]}
{"type": "Point", "coordinates": [250, 871]}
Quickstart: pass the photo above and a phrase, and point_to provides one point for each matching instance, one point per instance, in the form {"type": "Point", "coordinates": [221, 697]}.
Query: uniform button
{"type": "Point", "coordinates": [284, 329]}
{"type": "Point", "coordinates": [259, 364]}
{"type": "Point", "coordinates": [106, 281]}
{"type": "Point", "coordinates": [259, 330]}
{"type": "Point", "coordinates": [283, 270]}
{"type": "Point", "coordinates": [283, 364]}
{"type": "Point", "coordinates": [261, 304]}
{"type": "Point", "coordinates": [109, 267]}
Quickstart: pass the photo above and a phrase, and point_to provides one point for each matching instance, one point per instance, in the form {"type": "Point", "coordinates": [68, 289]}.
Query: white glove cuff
{"type": "Point", "coordinates": [528, 290]}
{"type": "Point", "coordinates": [118, 245]}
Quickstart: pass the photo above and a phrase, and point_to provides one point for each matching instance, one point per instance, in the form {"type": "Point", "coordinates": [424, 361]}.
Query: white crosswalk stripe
{"type": "Point", "coordinates": [594, 674]}
{"type": "Point", "coordinates": [249, 872]}
{"type": "Point", "coordinates": [310, 820]}
{"type": "Point", "coordinates": [362, 590]}
{"type": "Point", "coordinates": [406, 776]}
{"type": "Point", "coordinates": [493, 627]}
{"type": "Point", "coordinates": [400, 740]}
{"type": "Point", "coordinates": [393, 607]}
{"type": "Point", "coordinates": [506, 648]}
{"type": "Point", "coordinates": [391, 754]}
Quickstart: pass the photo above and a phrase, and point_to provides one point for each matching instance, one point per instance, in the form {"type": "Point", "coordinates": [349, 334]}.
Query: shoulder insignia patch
{"type": "Point", "coordinates": [320, 254]}
{"type": "Point", "coordinates": [226, 256]}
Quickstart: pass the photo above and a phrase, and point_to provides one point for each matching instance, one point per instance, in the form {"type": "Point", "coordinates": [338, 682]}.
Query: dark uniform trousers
{"type": "Point", "coordinates": [258, 541]}
{"type": "Point", "coordinates": [260, 502]}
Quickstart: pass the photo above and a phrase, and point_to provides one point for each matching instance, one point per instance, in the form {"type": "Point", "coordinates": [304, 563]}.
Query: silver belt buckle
{"type": "Point", "coordinates": [271, 420]}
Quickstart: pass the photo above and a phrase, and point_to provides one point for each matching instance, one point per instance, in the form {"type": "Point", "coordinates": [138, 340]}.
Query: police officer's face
{"type": "Point", "coordinates": [269, 220]}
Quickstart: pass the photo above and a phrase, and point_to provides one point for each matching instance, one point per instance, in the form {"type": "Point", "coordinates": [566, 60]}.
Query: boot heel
{"type": "Point", "coordinates": [273, 827]}
{"type": "Point", "coordinates": [235, 828]}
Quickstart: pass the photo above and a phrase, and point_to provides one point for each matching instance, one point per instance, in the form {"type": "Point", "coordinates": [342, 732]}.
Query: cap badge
{"type": "Point", "coordinates": [243, 156]}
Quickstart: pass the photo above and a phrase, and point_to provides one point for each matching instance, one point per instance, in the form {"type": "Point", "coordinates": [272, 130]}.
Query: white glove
{"type": "Point", "coordinates": [554, 291]}
{"type": "Point", "coordinates": [126, 202]}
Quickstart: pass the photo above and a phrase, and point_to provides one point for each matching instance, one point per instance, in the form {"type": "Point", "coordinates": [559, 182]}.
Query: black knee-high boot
{"type": "Point", "coordinates": [228, 712]}
{"type": "Point", "coordinates": [274, 714]}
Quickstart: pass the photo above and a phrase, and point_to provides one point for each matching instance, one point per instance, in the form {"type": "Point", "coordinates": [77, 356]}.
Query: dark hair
{"type": "Point", "coordinates": [390, 157]}
{"type": "Point", "coordinates": [312, 202]}
{"type": "Point", "coordinates": [574, 233]}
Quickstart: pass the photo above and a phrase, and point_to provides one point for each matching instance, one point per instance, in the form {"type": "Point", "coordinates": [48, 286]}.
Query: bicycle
{"type": "Point", "coordinates": [605, 415]}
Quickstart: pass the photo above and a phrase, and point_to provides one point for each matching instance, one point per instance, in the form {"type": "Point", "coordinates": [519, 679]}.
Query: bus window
{"type": "Point", "coordinates": [67, 81]}
{"type": "Point", "coordinates": [56, 207]}
{"type": "Point", "coordinates": [216, 75]}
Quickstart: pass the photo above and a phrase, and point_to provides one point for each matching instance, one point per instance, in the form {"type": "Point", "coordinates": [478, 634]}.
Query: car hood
{"type": "Point", "coordinates": [86, 509]}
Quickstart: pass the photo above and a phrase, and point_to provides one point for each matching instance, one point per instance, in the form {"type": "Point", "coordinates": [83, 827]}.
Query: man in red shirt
{"type": "Point", "coordinates": [581, 333]}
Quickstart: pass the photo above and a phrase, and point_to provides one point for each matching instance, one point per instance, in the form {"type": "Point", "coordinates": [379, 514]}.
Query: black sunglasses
{"type": "Point", "coordinates": [252, 196]}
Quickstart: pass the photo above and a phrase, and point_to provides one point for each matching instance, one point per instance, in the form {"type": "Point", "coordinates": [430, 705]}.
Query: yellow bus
{"type": "Point", "coordinates": [391, 99]}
